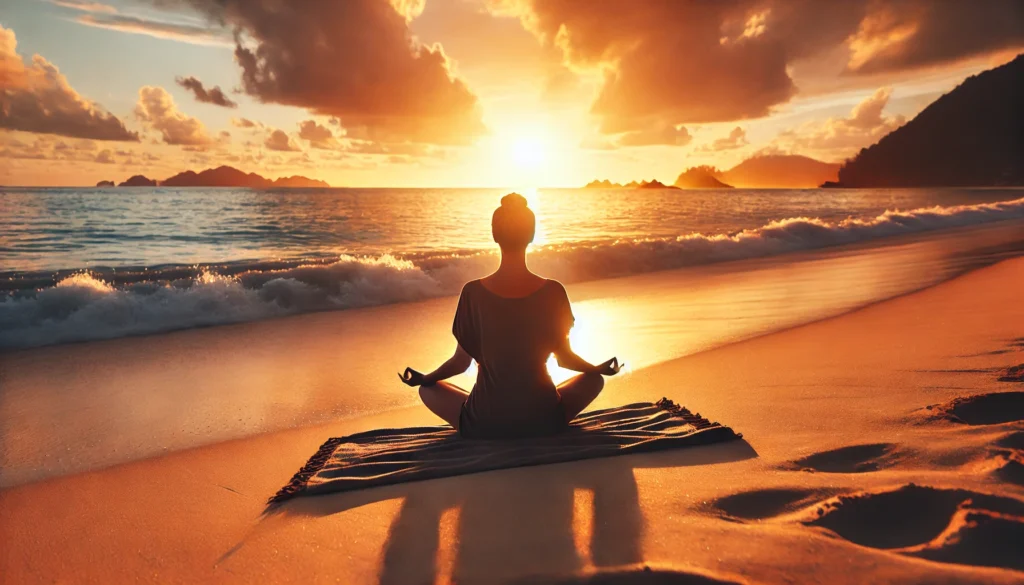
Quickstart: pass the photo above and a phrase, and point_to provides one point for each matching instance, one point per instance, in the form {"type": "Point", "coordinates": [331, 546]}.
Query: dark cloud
{"type": "Point", "coordinates": [355, 60]}
{"type": "Point", "coordinates": [669, 62]}
{"type": "Point", "coordinates": [214, 95]}
{"type": "Point", "coordinates": [38, 98]}
{"type": "Point", "coordinates": [317, 135]}
{"type": "Point", "coordinates": [279, 140]}
{"type": "Point", "coordinates": [105, 157]}
{"type": "Point", "coordinates": [157, 109]}
{"type": "Point", "coordinates": [906, 34]}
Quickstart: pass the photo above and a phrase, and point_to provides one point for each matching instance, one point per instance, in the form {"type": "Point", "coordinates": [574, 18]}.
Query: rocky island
{"type": "Point", "coordinates": [223, 176]}
{"type": "Point", "coordinates": [652, 184]}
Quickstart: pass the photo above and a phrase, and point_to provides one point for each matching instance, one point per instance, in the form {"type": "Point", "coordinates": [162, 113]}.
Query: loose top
{"type": "Point", "coordinates": [511, 340]}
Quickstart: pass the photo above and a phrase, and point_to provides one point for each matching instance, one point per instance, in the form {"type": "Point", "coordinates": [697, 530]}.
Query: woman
{"type": "Point", "coordinates": [510, 322]}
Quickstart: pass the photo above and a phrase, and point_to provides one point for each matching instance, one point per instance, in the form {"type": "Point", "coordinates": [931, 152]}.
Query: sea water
{"type": "Point", "coordinates": [83, 264]}
{"type": "Point", "coordinates": [108, 264]}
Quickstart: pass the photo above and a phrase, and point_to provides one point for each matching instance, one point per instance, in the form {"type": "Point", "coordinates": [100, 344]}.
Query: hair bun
{"type": "Point", "coordinates": [513, 200]}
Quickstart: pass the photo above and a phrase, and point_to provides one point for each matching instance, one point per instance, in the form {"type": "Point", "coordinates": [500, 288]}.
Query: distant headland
{"type": "Point", "coordinates": [223, 176]}
{"type": "Point", "coordinates": [765, 171]}
{"type": "Point", "coordinates": [972, 136]}
{"type": "Point", "coordinates": [652, 184]}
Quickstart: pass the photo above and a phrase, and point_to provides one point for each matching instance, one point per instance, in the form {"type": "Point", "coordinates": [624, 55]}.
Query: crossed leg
{"type": "Point", "coordinates": [578, 392]}
{"type": "Point", "coordinates": [445, 400]}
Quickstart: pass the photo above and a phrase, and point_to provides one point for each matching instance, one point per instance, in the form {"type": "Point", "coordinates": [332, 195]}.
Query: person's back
{"type": "Point", "coordinates": [511, 339]}
{"type": "Point", "coordinates": [511, 322]}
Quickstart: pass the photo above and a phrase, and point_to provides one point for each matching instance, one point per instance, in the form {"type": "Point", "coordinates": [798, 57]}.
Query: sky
{"type": "Point", "coordinates": [470, 93]}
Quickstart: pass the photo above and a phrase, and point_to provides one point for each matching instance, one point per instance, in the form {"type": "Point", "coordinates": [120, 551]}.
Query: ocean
{"type": "Point", "coordinates": [329, 293]}
{"type": "Point", "coordinates": [84, 264]}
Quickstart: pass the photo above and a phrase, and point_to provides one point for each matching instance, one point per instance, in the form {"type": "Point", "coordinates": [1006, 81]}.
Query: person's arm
{"type": "Point", "coordinates": [568, 359]}
{"type": "Point", "coordinates": [455, 365]}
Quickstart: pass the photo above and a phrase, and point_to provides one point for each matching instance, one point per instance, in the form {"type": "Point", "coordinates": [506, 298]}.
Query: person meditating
{"type": "Point", "coordinates": [510, 322]}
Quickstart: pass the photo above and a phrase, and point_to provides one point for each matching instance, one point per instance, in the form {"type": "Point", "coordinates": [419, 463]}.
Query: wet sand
{"type": "Point", "coordinates": [862, 443]}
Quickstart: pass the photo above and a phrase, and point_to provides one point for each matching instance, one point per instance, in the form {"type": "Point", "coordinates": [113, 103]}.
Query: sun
{"type": "Point", "coordinates": [524, 154]}
{"type": "Point", "coordinates": [529, 153]}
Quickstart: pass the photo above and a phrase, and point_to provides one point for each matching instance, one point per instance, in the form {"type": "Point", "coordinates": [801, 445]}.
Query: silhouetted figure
{"type": "Point", "coordinates": [510, 322]}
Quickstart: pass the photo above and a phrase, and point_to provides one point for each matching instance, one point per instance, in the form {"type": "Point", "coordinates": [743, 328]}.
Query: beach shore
{"type": "Point", "coordinates": [854, 463]}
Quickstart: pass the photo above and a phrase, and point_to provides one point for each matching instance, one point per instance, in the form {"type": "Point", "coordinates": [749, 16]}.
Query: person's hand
{"type": "Point", "coordinates": [609, 368]}
{"type": "Point", "coordinates": [413, 378]}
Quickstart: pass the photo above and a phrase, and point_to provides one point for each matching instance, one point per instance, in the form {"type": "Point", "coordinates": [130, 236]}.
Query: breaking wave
{"type": "Point", "coordinates": [106, 303]}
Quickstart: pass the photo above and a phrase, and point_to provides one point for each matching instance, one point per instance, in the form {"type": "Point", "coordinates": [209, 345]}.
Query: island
{"type": "Point", "coordinates": [138, 181]}
{"type": "Point", "coordinates": [223, 176]}
{"type": "Point", "coordinates": [702, 177]}
{"type": "Point", "coordinates": [105, 184]}
{"type": "Point", "coordinates": [779, 171]}
{"type": "Point", "coordinates": [652, 184]}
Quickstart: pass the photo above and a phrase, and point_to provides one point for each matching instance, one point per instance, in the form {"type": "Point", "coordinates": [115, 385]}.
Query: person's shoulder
{"type": "Point", "coordinates": [471, 287]}
{"type": "Point", "coordinates": [556, 287]}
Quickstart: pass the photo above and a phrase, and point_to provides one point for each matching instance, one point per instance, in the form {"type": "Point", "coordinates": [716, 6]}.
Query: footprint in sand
{"type": "Point", "coordinates": [640, 575]}
{"type": "Point", "coordinates": [767, 503]}
{"type": "Point", "coordinates": [1014, 440]}
{"type": "Point", "coordinates": [852, 459]}
{"type": "Point", "coordinates": [946, 525]}
{"type": "Point", "coordinates": [983, 409]}
{"type": "Point", "coordinates": [1013, 374]}
{"type": "Point", "coordinates": [1009, 458]}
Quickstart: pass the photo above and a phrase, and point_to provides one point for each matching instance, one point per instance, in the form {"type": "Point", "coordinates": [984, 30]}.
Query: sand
{"type": "Point", "coordinates": [883, 445]}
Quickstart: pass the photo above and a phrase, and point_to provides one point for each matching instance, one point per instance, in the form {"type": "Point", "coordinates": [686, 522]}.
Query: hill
{"type": "Point", "coordinates": [971, 137]}
{"type": "Point", "coordinates": [652, 184]}
{"type": "Point", "coordinates": [138, 181]}
{"type": "Point", "coordinates": [225, 176]}
{"type": "Point", "coordinates": [780, 171]}
{"type": "Point", "coordinates": [702, 177]}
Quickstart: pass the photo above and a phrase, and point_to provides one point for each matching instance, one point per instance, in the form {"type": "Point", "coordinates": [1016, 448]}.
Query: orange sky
{"type": "Point", "coordinates": [509, 93]}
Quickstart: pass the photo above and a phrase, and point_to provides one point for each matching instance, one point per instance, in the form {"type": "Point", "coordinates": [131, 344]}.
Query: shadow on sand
{"type": "Point", "coordinates": [512, 523]}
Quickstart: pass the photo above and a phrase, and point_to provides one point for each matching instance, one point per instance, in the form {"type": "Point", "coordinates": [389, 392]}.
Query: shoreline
{"type": "Point", "coordinates": [863, 381]}
{"type": "Point", "coordinates": [84, 306]}
{"type": "Point", "coordinates": [147, 395]}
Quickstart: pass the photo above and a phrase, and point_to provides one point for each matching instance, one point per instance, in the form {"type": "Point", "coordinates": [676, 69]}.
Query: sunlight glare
{"type": "Point", "coordinates": [529, 153]}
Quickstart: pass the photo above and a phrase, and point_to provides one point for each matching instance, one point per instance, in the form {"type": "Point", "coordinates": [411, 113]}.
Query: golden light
{"type": "Point", "coordinates": [526, 154]}
{"type": "Point", "coordinates": [529, 152]}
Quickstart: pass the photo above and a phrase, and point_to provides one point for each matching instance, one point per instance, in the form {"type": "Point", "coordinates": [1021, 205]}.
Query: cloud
{"type": "Point", "coordinates": [355, 60]}
{"type": "Point", "coordinates": [214, 95]}
{"type": "Point", "coordinates": [411, 149]}
{"type": "Point", "coordinates": [278, 140]}
{"type": "Point", "coordinates": [909, 34]}
{"type": "Point", "coordinates": [38, 98]}
{"type": "Point", "coordinates": [317, 135]}
{"type": "Point", "coordinates": [674, 62]}
{"type": "Point", "coordinates": [737, 138]}
{"type": "Point", "coordinates": [187, 33]}
{"type": "Point", "coordinates": [85, 6]}
{"type": "Point", "coordinates": [838, 138]}
{"type": "Point", "coordinates": [157, 109]}
{"type": "Point", "coordinates": [105, 156]}
{"type": "Point", "coordinates": [245, 123]}
{"type": "Point", "coordinates": [51, 148]}
{"type": "Point", "coordinates": [664, 135]}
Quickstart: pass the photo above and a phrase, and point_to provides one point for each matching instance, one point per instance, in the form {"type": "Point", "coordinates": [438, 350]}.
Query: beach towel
{"type": "Point", "coordinates": [389, 456]}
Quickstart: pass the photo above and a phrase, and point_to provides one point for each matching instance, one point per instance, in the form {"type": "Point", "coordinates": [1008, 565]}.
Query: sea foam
{"type": "Point", "coordinates": [89, 305]}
